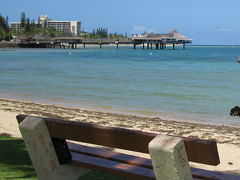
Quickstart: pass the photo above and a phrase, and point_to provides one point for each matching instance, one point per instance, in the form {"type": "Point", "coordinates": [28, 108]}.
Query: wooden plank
{"type": "Point", "coordinates": [200, 151]}
{"type": "Point", "coordinates": [112, 167]}
{"type": "Point", "coordinates": [111, 155]}
{"type": "Point", "coordinates": [212, 175]}
{"type": "Point", "coordinates": [105, 154]}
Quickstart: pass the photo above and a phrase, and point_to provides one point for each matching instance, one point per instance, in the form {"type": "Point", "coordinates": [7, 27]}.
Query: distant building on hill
{"type": "Point", "coordinates": [44, 21]}
{"type": "Point", "coordinates": [15, 26]}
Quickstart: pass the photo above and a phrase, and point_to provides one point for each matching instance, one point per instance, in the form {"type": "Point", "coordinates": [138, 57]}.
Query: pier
{"type": "Point", "coordinates": [147, 41]}
{"type": "Point", "coordinates": [161, 41]}
{"type": "Point", "coordinates": [70, 42]}
{"type": "Point", "coordinates": [57, 42]}
{"type": "Point", "coordinates": [102, 42]}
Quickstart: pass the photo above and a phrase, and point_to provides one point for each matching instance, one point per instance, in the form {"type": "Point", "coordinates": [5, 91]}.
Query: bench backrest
{"type": "Point", "coordinates": [198, 150]}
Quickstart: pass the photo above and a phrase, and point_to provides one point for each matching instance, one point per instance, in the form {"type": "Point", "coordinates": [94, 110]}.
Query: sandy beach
{"type": "Point", "coordinates": [228, 138]}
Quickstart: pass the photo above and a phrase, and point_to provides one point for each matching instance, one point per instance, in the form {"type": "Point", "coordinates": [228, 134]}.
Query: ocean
{"type": "Point", "coordinates": [200, 84]}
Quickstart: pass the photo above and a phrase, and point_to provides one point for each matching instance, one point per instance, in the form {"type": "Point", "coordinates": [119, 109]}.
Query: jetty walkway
{"type": "Point", "coordinates": [148, 40]}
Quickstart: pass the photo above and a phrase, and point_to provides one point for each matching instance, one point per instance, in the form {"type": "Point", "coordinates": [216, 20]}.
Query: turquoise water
{"type": "Point", "coordinates": [198, 84]}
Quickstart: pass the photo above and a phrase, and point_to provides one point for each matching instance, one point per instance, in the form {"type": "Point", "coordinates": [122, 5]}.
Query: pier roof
{"type": "Point", "coordinates": [174, 35]}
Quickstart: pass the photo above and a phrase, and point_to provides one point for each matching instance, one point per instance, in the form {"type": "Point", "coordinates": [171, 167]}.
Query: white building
{"type": "Point", "coordinates": [15, 26]}
{"type": "Point", "coordinates": [45, 21]}
{"type": "Point", "coordinates": [72, 26]}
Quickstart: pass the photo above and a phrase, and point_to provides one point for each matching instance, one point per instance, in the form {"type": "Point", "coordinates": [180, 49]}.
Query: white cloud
{"type": "Point", "coordinates": [141, 29]}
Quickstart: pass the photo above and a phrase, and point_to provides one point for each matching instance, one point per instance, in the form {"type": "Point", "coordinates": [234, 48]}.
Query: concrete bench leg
{"type": "Point", "coordinates": [42, 153]}
{"type": "Point", "coordinates": [169, 158]}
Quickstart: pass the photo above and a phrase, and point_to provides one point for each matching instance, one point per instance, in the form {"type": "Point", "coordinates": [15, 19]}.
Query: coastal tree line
{"type": "Point", "coordinates": [5, 33]}
{"type": "Point", "coordinates": [103, 33]}
{"type": "Point", "coordinates": [29, 29]}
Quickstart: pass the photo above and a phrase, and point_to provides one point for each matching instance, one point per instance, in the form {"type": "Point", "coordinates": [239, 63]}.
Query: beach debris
{"type": "Point", "coordinates": [230, 163]}
{"type": "Point", "coordinates": [235, 111]}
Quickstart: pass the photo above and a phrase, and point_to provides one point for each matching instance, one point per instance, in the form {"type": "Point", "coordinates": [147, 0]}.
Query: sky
{"type": "Point", "coordinates": [207, 22]}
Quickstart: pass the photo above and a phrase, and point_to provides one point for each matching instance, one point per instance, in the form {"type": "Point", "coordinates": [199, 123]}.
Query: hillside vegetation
{"type": "Point", "coordinates": [4, 29]}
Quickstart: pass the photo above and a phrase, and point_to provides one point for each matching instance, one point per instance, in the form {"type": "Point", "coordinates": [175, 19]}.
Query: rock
{"type": "Point", "coordinates": [235, 111]}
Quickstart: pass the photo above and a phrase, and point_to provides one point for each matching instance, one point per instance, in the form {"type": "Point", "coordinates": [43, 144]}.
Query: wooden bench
{"type": "Point", "coordinates": [108, 161]}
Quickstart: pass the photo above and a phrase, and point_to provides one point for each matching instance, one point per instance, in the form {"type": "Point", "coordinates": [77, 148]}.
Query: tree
{"type": "Point", "coordinates": [39, 24]}
{"type": "Point", "coordinates": [28, 26]}
{"type": "Point", "coordinates": [32, 25]}
{"type": "Point", "coordinates": [3, 24]}
{"type": "Point", "coordinates": [23, 20]}
{"type": "Point", "coordinates": [125, 35]}
{"type": "Point", "coordinates": [4, 29]}
{"type": "Point", "coordinates": [2, 34]}
{"type": "Point", "coordinates": [94, 32]}
{"type": "Point", "coordinates": [6, 20]}
{"type": "Point", "coordinates": [100, 33]}
{"type": "Point", "coordinates": [45, 24]}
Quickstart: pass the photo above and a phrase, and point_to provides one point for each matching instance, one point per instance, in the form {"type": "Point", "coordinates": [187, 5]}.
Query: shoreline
{"type": "Point", "coordinates": [192, 119]}
{"type": "Point", "coordinates": [228, 138]}
{"type": "Point", "coordinates": [225, 133]}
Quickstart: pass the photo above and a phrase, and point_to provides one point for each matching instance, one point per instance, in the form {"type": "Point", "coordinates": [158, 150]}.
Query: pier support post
{"type": "Point", "coordinates": [151, 45]}
{"type": "Point", "coordinates": [173, 46]}
{"type": "Point", "coordinates": [157, 45]}
{"type": "Point", "coordinates": [143, 46]}
{"type": "Point", "coordinates": [42, 153]}
{"type": "Point", "coordinates": [169, 158]}
{"type": "Point", "coordinates": [183, 45]}
{"type": "Point", "coordinates": [147, 45]}
{"type": "Point", "coordinates": [134, 46]}
{"type": "Point", "coordinates": [84, 45]}
{"type": "Point", "coordinates": [100, 45]}
{"type": "Point", "coordinates": [117, 45]}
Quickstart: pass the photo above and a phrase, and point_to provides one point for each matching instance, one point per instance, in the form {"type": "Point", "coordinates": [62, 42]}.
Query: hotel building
{"type": "Point", "coordinates": [45, 21]}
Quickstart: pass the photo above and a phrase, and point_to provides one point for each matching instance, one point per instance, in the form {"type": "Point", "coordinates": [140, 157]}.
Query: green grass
{"type": "Point", "coordinates": [15, 163]}
{"type": "Point", "coordinates": [14, 160]}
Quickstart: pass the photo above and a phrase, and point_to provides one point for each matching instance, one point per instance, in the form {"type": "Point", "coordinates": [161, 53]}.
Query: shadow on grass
{"type": "Point", "coordinates": [14, 159]}
{"type": "Point", "coordinates": [15, 163]}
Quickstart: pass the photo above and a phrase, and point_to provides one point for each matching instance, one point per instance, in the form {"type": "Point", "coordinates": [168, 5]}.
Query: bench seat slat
{"type": "Point", "coordinates": [111, 155]}
{"type": "Point", "coordinates": [112, 167]}
{"type": "Point", "coordinates": [142, 162]}
{"type": "Point", "coordinates": [212, 175]}
{"type": "Point", "coordinates": [199, 151]}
